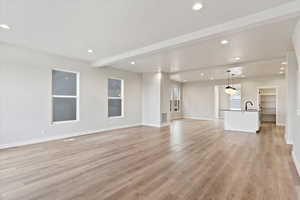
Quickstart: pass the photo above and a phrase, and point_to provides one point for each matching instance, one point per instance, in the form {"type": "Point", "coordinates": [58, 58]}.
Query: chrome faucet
{"type": "Point", "coordinates": [246, 104]}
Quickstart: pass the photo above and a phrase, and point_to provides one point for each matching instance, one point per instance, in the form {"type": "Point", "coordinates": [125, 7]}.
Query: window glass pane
{"type": "Point", "coordinates": [64, 83]}
{"type": "Point", "coordinates": [114, 107]}
{"type": "Point", "coordinates": [64, 109]}
{"type": "Point", "coordinates": [114, 88]}
{"type": "Point", "coordinates": [176, 93]}
{"type": "Point", "coordinates": [235, 100]}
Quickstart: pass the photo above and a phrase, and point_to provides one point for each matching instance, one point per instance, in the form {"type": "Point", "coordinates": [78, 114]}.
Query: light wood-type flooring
{"type": "Point", "coordinates": [191, 160]}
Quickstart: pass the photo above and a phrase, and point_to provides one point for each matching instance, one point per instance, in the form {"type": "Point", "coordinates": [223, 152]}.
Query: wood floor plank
{"type": "Point", "coordinates": [191, 160]}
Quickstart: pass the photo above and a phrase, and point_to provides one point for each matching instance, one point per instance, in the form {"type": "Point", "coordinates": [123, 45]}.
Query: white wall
{"type": "Point", "coordinates": [296, 42]}
{"type": "Point", "coordinates": [156, 98]}
{"type": "Point", "coordinates": [198, 97]}
{"type": "Point", "coordinates": [151, 99]}
{"type": "Point", "coordinates": [25, 103]}
{"type": "Point", "coordinates": [291, 106]}
{"type": "Point", "coordinates": [296, 135]}
{"type": "Point", "coordinates": [198, 100]}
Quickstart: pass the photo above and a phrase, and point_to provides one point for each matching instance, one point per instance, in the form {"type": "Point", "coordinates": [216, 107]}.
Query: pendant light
{"type": "Point", "coordinates": [230, 89]}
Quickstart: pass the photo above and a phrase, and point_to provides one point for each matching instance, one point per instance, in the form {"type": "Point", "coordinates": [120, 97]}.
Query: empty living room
{"type": "Point", "coordinates": [149, 100]}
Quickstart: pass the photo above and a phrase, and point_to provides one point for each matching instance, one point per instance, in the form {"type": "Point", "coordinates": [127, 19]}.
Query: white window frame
{"type": "Point", "coordinates": [121, 97]}
{"type": "Point", "coordinates": [77, 97]}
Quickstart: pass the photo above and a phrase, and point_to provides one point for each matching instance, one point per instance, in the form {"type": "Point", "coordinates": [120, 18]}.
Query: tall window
{"type": "Point", "coordinates": [176, 99]}
{"type": "Point", "coordinates": [235, 100]}
{"type": "Point", "coordinates": [115, 98]}
{"type": "Point", "coordinates": [65, 96]}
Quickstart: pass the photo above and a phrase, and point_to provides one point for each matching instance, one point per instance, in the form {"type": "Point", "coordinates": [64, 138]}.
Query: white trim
{"type": "Point", "coordinates": [117, 117]}
{"type": "Point", "coordinates": [284, 11]}
{"type": "Point", "coordinates": [296, 162]}
{"type": "Point", "coordinates": [190, 116]}
{"type": "Point", "coordinates": [156, 125]}
{"type": "Point", "coordinates": [36, 141]}
{"type": "Point", "coordinates": [288, 141]}
{"type": "Point", "coordinates": [64, 96]}
{"type": "Point", "coordinates": [280, 124]}
{"type": "Point", "coordinates": [64, 122]}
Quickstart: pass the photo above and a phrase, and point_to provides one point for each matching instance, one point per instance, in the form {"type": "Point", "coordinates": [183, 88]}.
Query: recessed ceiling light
{"type": "Point", "coordinates": [132, 62]}
{"type": "Point", "coordinates": [184, 80]}
{"type": "Point", "coordinates": [4, 26]}
{"type": "Point", "coordinates": [237, 58]}
{"type": "Point", "coordinates": [284, 63]}
{"type": "Point", "coordinates": [224, 42]}
{"type": "Point", "coordinates": [281, 72]}
{"type": "Point", "coordinates": [282, 68]}
{"type": "Point", "coordinates": [90, 51]}
{"type": "Point", "coordinates": [211, 78]}
{"type": "Point", "coordinates": [197, 6]}
{"type": "Point", "coordinates": [202, 74]}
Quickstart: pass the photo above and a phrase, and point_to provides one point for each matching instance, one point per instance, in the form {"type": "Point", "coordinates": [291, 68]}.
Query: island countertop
{"type": "Point", "coordinates": [242, 120]}
{"type": "Point", "coordinates": [240, 110]}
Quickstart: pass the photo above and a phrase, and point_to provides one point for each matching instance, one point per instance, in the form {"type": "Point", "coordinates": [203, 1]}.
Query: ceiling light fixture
{"type": "Point", "coordinates": [284, 63]}
{"type": "Point", "coordinates": [230, 89]}
{"type": "Point", "coordinates": [237, 58]}
{"type": "Point", "coordinates": [90, 51]}
{"type": "Point", "coordinates": [282, 68]}
{"type": "Point", "coordinates": [4, 26]}
{"type": "Point", "coordinates": [197, 6]}
{"type": "Point", "coordinates": [224, 42]}
{"type": "Point", "coordinates": [202, 74]}
{"type": "Point", "coordinates": [132, 62]}
{"type": "Point", "coordinates": [281, 72]}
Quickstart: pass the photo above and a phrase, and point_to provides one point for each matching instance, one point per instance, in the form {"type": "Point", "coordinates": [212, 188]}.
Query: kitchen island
{"type": "Point", "coordinates": [241, 120]}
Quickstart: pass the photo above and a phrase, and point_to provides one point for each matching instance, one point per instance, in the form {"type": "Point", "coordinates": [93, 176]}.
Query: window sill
{"type": "Point", "coordinates": [64, 122]}
{"type": "Point", "coordinates": [119, 117]}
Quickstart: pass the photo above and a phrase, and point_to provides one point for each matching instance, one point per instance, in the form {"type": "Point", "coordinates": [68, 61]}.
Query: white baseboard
{"type": "Point", "coordinates": [156, 125]}
{"type": "Point", "coordinates": [297, 163]}
{"type": "Point", "coordinates": [36, 141]}
{"type": "Point", "coordinates": [188, 116]}
{"type": "Point", "coordinates": [287, 140]}
{"type": "Point", "coordinates": [280, 124]}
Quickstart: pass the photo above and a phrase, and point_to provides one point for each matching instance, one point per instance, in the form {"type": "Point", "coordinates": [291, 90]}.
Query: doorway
{"type": "Point", "coordinates": [267, 98]}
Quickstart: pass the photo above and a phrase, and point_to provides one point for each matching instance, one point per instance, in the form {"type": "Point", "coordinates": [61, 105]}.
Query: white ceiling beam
{"type": "Point", "coordinates": [274, 14]}
{"type": "Point", "coordinates": [232, 65]}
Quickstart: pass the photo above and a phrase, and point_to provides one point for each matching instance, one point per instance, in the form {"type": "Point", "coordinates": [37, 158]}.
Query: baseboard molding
{"type": "Point", "coordinates": [156, 125]}
{"type": "Point", "coordinates": [296, 162]}
{"type": "Point", "coordinates": [280, 124]}
{"type": "Point", "coordinates": [36, 141]}
{"type": "Point", "coordinates": [186, 116]}
{"type": "Point", "coordinates": [287, 140]}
